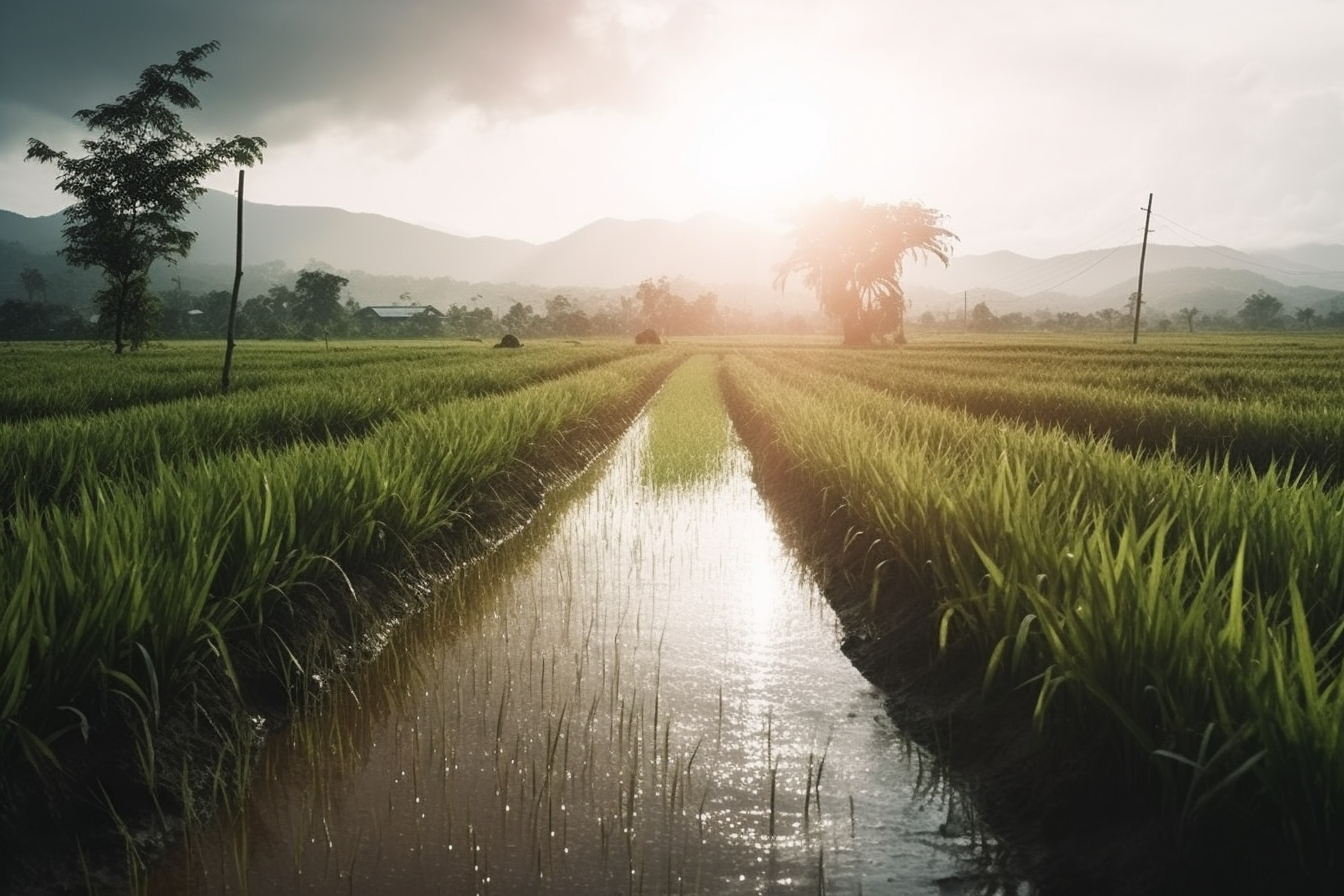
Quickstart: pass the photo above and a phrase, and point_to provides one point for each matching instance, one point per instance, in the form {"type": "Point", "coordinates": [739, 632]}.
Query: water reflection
{"type": "Point", "coordinates": [641, 694]}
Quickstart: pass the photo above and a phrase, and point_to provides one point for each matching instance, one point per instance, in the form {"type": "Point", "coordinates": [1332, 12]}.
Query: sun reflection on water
{"type": "Point", "coordinates": [640, 692]}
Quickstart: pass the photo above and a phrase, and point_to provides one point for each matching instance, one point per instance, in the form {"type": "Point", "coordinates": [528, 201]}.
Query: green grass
{"type": "Point", "coordinates": [63, 379]}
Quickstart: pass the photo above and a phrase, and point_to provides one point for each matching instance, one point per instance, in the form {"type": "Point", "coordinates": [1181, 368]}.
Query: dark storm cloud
{"type": "Point", "coordinates": [287, 66]}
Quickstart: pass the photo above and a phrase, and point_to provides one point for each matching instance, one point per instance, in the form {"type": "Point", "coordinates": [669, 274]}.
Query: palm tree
{"type": "Point", "coordinates": [853, 255]}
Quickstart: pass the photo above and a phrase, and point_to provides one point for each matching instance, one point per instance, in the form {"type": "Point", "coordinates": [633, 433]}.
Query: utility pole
{"type": "Point", "coordinates": [233, 300]}
{"type": "Point", "coordinates": [1143, 253]}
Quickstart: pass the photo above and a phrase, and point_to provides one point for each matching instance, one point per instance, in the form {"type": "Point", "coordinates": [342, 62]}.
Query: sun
{"type": "Point", "coordinates": [749, 151]}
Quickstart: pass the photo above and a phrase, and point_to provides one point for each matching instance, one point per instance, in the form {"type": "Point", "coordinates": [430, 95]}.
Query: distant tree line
{"type": "Point", "coordinates": [1260, 311]}
{"type": "Point", "coordinates": [316, 306]}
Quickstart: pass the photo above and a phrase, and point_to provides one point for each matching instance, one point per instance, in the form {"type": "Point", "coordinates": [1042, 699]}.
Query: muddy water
{"type": "Point", "coordinates": [640, 694]}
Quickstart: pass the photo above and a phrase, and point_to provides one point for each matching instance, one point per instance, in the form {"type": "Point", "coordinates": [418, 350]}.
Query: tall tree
{"type": "Point", "coordinates": [1260, 310]}
{"type": "Point", "coordinates": [660, 307]}
{"type": "Point", "coordinates": [563, 318]}
{"type": "Point", "coordinates": [317, 302]}
{"type": "Point", "coordinates": [520, 319]}
{"type": "Point", "coordinates": [269, 316]}
{"type": "Point", "coordinates": [34, 281]}
{"type": "Point", "coordinates": [138, 179]}
{"type": "Point", "coordinates": [853, 255]}
{"type": "Point", "coordinates": [136, 319]}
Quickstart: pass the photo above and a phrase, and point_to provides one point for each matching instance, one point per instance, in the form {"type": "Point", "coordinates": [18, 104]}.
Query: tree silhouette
{"type": "Point", "coordinates": [138, 179]}
{"type": "Point", "coordinates": [33, 282]}
{"type": "Point", "coordinates": [1259, 310]}
{"type": "Point", "coordinates": [519, 318]}
{"type": "Point", "coordinates": [853, 255]}
{"type": "Point", "coordinates": [317, 301]}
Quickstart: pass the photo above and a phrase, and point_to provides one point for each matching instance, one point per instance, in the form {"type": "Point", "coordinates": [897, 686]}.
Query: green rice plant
{"type": "Point", "coordinates": [38, 381]}
{"type": "Point", "coordinates": [1280, 414]}
{"type": "Point", "coordinates": [138, 589]}
{"type": "Point", "coordinates": [688, 428]}
{"type": "Point", "coordinates": [1289, 370]}
{"type": "Point", "coordinates": [47, 458]}
{"type": "Point", "coordinates": [1130, 589]}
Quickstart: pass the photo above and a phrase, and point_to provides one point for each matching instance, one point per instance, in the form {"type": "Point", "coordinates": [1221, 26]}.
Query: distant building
{"type": "Point", "coordinates": [394, 313]}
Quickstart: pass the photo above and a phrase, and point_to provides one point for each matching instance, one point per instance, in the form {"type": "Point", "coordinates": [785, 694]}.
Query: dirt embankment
{"type": "Point", "coordinates": [1070, 817]}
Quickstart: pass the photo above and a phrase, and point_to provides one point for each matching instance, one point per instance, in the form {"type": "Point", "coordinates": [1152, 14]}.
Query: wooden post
{"type": "Point", "coordinates": [233, 300]}
{"type": "Point", "coordinates": [1143, 252]}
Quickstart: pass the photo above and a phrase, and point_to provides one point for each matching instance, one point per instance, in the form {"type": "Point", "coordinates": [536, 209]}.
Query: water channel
{"type": "Point", "coordinates": [640, 693]}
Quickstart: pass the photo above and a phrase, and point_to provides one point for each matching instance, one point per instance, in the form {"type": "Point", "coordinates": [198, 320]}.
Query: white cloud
{"type": "Point", "coordinates": [1037, 126]}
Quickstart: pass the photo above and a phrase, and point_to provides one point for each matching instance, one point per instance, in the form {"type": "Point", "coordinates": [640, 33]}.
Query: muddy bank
{"type": "Point", "coordinates": [1071, 817]}
{"type": "Point", "coordinates": [115, 806]}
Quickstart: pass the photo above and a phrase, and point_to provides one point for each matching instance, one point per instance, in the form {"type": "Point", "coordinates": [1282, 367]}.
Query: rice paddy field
{"type": "Point", "coordinates": [1141, 548]}
{"type": "Point", "coordinates": [639, 692]}
{"type": "Point", "coordinates": [1116, 569]}
{"type": "Point", "coordinates": [179, 564]}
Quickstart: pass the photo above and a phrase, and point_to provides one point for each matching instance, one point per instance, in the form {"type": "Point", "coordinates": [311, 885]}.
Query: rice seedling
{"type": "Point", "coordinates": [1284, 412]}
{"type": "Point", "coordinates": [46, 459]}
{"type": "Point", "coordinates": [69, 380]}
{"type": "Point", "coordinates": [688, 428]}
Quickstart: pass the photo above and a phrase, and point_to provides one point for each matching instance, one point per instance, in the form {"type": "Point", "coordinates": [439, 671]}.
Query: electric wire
{"type": "Point", "coordinates": [1214, 247]}
{"type": "Point", "coordinates": [1057, 270]}
{"type": "Point", "coordinates": [1027, 280]}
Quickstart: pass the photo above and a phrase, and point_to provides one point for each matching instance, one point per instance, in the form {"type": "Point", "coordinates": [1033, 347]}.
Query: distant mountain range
{"type": "Point", "coordinates": [720, 253]}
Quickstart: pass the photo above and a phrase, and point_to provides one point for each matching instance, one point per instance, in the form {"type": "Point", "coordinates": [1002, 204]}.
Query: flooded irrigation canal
{"type": "Point", "coordinates": [641, 693]}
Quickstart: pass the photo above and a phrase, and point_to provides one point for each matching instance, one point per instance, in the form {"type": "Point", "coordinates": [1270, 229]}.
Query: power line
{"type": "Point", "coordinates": [1066, 265]}
{"type": "Point", "coordinates": [1213, 249]}
{"type": "Point", "coordinates": [1079, 273]}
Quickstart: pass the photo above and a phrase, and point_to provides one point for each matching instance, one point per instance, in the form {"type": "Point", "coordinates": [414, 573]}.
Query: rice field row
{"type": "Point", "coordinates": [1284, 410]}
{"type": "Point", "coordinates": [1194, 614]}
{"type": "Point", "coordinates": [47, 460]}
{"type": "Point", "coordinates": [1278, 368]}
{"type": "Point", "coordinates": [47, 380]}
{"type": "Point", "coordinates": [115, 597]}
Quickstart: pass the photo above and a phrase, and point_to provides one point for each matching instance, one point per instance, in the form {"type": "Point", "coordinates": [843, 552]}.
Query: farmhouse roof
{"type": "Point", "coordinates": [399, 312]}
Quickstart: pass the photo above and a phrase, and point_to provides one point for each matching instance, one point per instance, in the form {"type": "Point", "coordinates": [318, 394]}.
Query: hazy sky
{"type": "Point", "coordinates": [1036, 126]}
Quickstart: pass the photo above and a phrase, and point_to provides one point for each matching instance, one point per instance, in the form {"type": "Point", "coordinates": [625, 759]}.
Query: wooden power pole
{"type": "Point", "coordinates": [233, 300]}
{"type": "Point", "coordinates": [1143, 254]}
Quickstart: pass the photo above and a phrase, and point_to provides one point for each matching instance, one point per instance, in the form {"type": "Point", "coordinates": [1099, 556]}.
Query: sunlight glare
{"type": "Point", "coordinates": [750, 150]}
{"type": "Point", "coordinates": [759, 557]}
